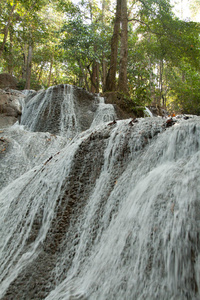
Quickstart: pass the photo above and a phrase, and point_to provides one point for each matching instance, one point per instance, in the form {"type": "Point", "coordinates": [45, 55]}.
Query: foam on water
{"type": "Point", "coordinates": [148, 241]}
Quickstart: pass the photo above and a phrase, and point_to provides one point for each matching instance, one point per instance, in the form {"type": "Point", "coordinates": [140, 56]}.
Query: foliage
{"type": "Point", "coordinates": [185, 90]}
{"type": "Point", "coordinates": [85, 39]}
{"type": "Point", "coordinates": [159, 45]}
{"type": "Point", "coordinates": [71, 44]}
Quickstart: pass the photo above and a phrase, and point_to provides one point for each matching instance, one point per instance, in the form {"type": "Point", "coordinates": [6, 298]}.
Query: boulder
{"type": "Point", "coordinates": [11, 102]}
{"type": "Point", "coordinates": [7, 80]}
{"type": "Point", "coordinates": [124, 107]}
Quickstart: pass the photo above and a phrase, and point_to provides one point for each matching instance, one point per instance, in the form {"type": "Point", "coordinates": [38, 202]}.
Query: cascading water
{"type": "Point", "coordinates": [68, 122]}
{"type": "Point", "coordinates": [52, 110]}
{"type": "Point", "coordinates": [104, 113]}
{"type": "Point", "coordinates": [65, 110]}
{"type": "Point", "coordinates": [147, 112]}
{"type": "Point", "coordinates": [112, 214]}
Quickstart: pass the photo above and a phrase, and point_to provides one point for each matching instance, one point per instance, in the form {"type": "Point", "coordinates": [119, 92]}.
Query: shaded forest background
{"type": "Point", "coordinates": [138, 52]}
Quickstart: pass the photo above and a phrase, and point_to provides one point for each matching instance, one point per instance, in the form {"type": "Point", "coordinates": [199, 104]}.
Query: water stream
{"type": "Point", "coordinates": [112, 212]}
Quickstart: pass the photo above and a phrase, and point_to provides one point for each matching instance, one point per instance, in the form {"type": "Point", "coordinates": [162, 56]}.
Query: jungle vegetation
{"type": "Point", "coordinates": [140, 50]}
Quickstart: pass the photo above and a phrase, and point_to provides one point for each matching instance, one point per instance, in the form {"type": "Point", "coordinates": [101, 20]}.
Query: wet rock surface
{"type": "Point", "coordinates": [68, 111]}
{"type": "Point", "coordinates": [21, 150]}
{"type": "Point", "coordinates": [88, 163]}
{"type": "Point", "coordinates": [79, 109]}
{"type": "Point", "coordinates": [87, 216]}
{"type": "Point", "coordinates": [39, 278]}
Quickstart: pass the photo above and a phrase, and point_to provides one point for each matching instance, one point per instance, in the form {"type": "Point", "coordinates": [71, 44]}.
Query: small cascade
{"type": "Point", "coordinates": [32, 213]}
{"type": "Point", "coordinates": [68, 121]}
{"type": "Point", "coordinates": [112, 213]}
{"type": "Point", "coordinates": [24, 149]}
{"type": "Point", "coordinates": [52, 110]}
{"type": "Point", "coordinates": [105, 113]}
{"type": "Point", "coordinates": [37, 111]}
{"type": "Point", "coordinates": [147, 112]}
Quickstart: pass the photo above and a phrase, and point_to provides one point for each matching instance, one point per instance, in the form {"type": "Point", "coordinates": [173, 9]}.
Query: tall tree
{"type": "Point", "coordinates": [111, 76]}
{"type": "Point", "coordinates": [29, 66]}
{"type": "Point", "coordinates": [120, 33]}
{"type": "Point", "coordinates": [122, 83]}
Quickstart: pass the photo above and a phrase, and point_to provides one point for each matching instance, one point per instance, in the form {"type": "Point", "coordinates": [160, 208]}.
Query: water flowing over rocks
{"type": "Point", "coordinates": [63, 110]}
{"type": "Point", "coordinates": [21, 150]}
{"type": "Point", "coordinates": [106, 210]}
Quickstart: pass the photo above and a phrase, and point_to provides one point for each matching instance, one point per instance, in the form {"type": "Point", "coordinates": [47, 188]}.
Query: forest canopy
{"type": "Point", "coordinates": [141, 51]}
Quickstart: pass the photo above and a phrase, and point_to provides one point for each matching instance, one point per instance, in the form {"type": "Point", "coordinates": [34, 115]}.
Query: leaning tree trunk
{"type": "Point", "coordinates": [111, 76]}
{"type": "Point", "coordinates": [122, 83]}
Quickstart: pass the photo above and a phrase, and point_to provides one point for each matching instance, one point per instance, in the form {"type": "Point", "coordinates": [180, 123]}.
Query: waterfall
{"type": "Point", "coordinates": [147, 112]}
{"type": "Point", "coordinates": [104, 113]}
{"type": "Point", "coordinates": [68, 122]}
{"type": "Point", "coordinates": [112, 213]}
{"type": "Point", "coordinates": [65, 110]}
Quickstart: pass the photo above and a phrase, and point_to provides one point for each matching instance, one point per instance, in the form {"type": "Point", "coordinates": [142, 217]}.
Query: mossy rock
{"type": "Point", "coordinates": [124, 105]}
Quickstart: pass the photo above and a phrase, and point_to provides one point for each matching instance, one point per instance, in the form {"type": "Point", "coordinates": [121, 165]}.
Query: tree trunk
{"type": "Point", "coordinates": [104, 63]}
{"type": "Point", "coordinates": [10, 59]}
{"type": "Point", "coordinates": [84, 75]}
{"type": "Point", "coordinates": [122, 83]}
{"type": "Point", "coordinates": [104, 69]}
{"type": "Point", "coordinates": [25, 51]}
{"type": "Point", "coordinates": [91, 10]}
{"type": "Point", "coordinates": [111, 76]}
{"type": "Point", "coordinates": [28, 69]}
{"type": "Point", "coordinates": [161, 82]}
{"type": "Point", "coordinates": [40, 71]}
{"type": "Point", "coordinates": [95, 78]}
{"type": "Point", "coordinates": [50, 72]}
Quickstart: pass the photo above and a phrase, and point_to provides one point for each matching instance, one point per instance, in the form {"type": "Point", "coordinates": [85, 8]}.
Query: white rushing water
{"type": "Point", "coordinates": [104, 113]}
{"type": "Point", "coordinates": [112, 214]}
{"type": "Point", "coordinates": [39, 106]}
{"type": "Point", "coordinates": [147, 112]}
{"type": "Point", "coordinates": [146, 250]}
{"type": "Point", "coordinates": [68, 122]}
{"type": "Point", "coordinates": [60, 111]}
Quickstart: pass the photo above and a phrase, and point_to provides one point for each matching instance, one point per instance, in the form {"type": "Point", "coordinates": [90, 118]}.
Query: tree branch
{"type": "Point", "coordinates": [142, 22]}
